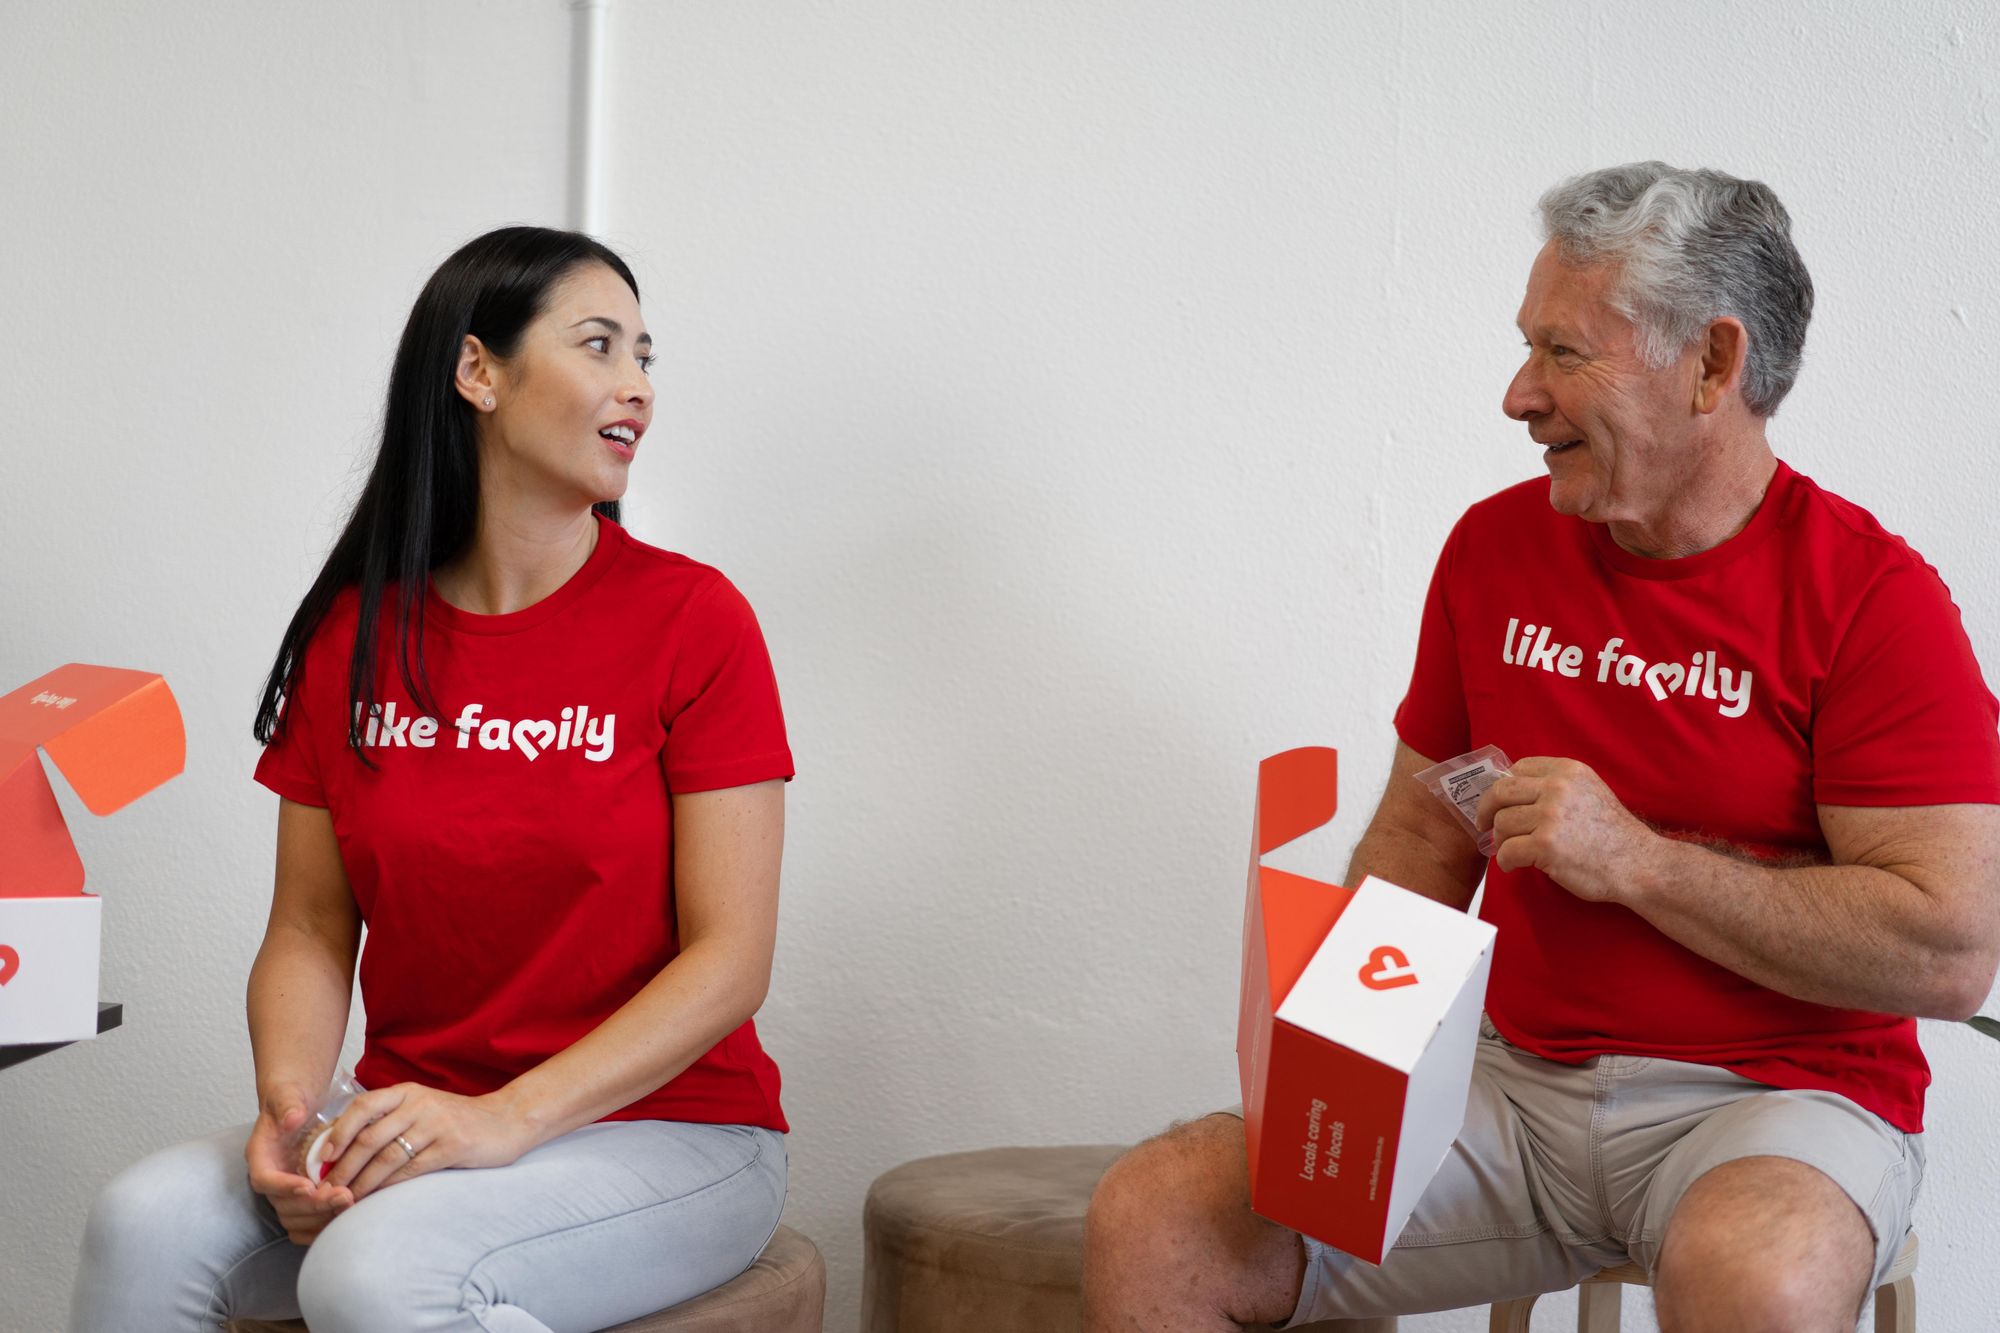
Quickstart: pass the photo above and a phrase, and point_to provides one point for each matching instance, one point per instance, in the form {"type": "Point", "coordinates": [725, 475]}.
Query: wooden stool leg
{"type": "Point", "coordinates": [1511, 1316]}
{"type": "Point", "coordinates": [1896, 1307]}
{"type": "Point", "coordinates": [1597, 1307]}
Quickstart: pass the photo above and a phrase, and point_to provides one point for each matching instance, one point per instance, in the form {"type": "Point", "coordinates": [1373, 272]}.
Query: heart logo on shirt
{"type": "Point", "coordinates": [10, 963]}
{"type": "Point", "coordinates": [1387, 968]}
{"type": "Point", "coordinates": [543, 733]}
{"type": "Point", "coordinates": [1663, 678]}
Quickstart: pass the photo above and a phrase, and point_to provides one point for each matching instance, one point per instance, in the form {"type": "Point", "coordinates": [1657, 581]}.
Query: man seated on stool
{"type": "Point", "coordinates": [1753, 827]}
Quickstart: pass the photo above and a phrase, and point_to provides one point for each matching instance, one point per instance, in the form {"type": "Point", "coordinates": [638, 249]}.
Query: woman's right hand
{"type": "Point", "coordinates": [303, 1206]}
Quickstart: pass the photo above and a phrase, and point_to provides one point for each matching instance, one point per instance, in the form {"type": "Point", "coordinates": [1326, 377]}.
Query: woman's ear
{"type": "Point", "coordinates": [476, 374]}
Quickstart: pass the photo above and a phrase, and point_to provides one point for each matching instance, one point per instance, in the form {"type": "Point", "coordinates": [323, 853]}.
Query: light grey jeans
{"type": "Point", "coordinates": [604, 1224]}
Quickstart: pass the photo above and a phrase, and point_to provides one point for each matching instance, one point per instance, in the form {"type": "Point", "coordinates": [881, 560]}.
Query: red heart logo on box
{"type": "Point", "coordinates": [1387, 968]}
{"type": "Point", "coordinates": [10, 963]}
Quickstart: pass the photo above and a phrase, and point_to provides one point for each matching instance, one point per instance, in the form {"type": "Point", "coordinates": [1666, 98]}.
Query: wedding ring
{"type": "Point", "coordinates": [404, 1144]}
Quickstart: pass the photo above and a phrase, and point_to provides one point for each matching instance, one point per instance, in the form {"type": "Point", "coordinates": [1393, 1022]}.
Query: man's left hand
{"type": "Point", "coordinates": [395, 1133]}
{"type": "Point", "coordinates": [1558, 816]}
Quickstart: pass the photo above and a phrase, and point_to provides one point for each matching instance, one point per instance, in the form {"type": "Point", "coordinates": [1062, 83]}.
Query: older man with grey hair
{"type": "Point", "coordinates": [1753, 830]}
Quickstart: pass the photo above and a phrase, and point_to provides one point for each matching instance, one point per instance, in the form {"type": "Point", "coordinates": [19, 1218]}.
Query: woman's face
{"type": "Point", "coordinates": [572, 402]}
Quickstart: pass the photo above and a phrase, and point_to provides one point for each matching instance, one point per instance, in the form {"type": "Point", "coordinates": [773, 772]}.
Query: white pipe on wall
{"type": "Point", "coordinates": [586, 141]}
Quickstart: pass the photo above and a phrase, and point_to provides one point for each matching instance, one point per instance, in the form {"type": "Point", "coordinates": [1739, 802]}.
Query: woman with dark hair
{"type": "Point", "coordinates": [544, 763]}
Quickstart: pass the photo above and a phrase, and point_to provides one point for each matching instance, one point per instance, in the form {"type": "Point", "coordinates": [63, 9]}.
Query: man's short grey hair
{"type": "Point", "coordinates": [1692, 246]}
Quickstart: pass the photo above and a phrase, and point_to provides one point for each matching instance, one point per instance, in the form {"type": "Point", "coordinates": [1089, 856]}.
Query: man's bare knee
{"type": "Point", "coordinates": [1170, 1225]}
{"type": "Point", "coordinates": [1194, 1172]}
{"type": "Point", "coordinates": [1764, 1243]}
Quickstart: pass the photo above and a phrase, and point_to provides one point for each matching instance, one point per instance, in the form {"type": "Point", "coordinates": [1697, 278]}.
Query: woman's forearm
{"type": "Point", "coordinates": [298, 997]}
{"type": "Point", "coordinates": [709, 991]}
{"type": "Point", "coordinates": [727, 848]}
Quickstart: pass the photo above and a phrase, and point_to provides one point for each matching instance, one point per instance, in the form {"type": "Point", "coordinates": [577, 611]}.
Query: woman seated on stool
{"type": "Point", "coordinates": [544, 763]}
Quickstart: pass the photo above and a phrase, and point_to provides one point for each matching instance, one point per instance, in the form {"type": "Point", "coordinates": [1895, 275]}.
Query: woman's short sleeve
{"type": "Point", "coordinates": [290, 764]}
{"type": "Point", "coordinates": [725, 727]}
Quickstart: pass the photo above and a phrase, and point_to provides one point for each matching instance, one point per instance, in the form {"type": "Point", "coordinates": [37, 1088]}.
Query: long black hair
{"type": "Point", "coordinates": [420, 506]}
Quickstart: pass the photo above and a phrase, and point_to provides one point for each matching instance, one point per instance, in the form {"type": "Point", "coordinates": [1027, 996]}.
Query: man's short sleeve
{"type": "Point", "coordinates": [289, 765]}
{"type": "Point", "coordinates": [725, 727]}
{"type": "Point", "coordinates": [1905, 718]}
{"type": "Point", "coordinates": [1432, 719]}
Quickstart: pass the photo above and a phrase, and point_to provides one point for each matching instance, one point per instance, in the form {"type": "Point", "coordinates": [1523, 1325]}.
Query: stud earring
{"type": "Point", "coordinates": [489, 400]}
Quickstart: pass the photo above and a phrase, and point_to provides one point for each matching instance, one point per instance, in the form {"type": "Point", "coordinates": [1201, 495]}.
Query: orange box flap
{"type": "Point", "coordinates": [114, 734]}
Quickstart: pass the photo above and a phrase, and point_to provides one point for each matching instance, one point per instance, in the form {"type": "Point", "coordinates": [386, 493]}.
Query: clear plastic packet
{"type": "Point", "coordinates": [309, 1141]}
{"type": "Point", "coordinates": [1460, 782]}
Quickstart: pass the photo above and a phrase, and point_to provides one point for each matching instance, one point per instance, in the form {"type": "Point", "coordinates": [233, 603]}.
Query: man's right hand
{"type": "Point", "coordinates": [303, 1206]}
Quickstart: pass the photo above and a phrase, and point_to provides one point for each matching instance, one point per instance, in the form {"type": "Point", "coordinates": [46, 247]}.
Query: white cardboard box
{"type": "Point", "coordinates": [50, 956]}
{"type": "Point", "coordinates": [1355, 1040]}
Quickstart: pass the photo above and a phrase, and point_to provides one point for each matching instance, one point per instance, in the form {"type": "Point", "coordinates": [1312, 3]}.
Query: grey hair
{"type": "Point", "coordinates": [1692, 247]}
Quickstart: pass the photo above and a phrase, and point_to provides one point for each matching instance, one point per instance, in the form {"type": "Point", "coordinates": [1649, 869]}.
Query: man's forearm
{"type": "Point", "coordinates": [1848, 936]}
{"type": "Point", "coordinates": [1413, 862]}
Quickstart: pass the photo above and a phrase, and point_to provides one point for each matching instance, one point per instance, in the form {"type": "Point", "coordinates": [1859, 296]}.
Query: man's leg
{"type": "Point", "coordinates": [1777, 1210]}
{"type": "Point", "coordinates": [1764, 1245]}
{"type": "Point", "coordinates": [1170, 1242]}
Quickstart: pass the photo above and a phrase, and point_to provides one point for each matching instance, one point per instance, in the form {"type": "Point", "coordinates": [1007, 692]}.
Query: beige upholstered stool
{"type": "Point", "coordinates": [1597, 1299]}
{"type": "Point", "coordinates": [989, 1241]}
{"type": "Point", "coordinates": [783, 1292]}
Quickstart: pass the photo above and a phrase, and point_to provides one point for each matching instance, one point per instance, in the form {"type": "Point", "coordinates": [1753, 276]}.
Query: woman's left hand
{"type": "Point", "coordinates": [395, 1133]}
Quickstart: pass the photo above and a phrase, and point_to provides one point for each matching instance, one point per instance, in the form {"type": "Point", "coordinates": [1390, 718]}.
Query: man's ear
{"type": "Point", "coordinates": [476, 374]}
{"type": "Point", "coordinates": [1725, 350]}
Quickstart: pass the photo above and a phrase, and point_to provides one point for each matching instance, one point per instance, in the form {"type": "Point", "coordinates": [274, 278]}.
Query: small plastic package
{"type": "Point", "coordinates": [309, 1143]}
{"type": "Point", "coordinates": [1460, 782]}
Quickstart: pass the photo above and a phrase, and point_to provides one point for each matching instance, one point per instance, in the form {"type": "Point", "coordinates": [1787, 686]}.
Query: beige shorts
{"type": "Point", "coordinates": [1563, 1170]}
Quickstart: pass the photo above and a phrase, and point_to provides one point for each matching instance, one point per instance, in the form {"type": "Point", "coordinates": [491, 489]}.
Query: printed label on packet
{"type": "Point", "coordinates": [1461, 781]}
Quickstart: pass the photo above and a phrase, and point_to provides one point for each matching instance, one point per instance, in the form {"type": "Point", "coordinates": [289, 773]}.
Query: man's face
{"type": "Point", "coordinates": [1618, 435]}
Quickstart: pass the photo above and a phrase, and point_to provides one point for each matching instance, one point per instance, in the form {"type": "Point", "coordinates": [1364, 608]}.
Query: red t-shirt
{"type": "Point", "coordinates": [1813, 658]}
{"type": "Point", "coordinates": [517, 875]}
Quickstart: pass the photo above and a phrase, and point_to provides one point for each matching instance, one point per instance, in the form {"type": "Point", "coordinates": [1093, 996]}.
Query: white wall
{"type": "Point", "coordinates": [1079, 391]}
